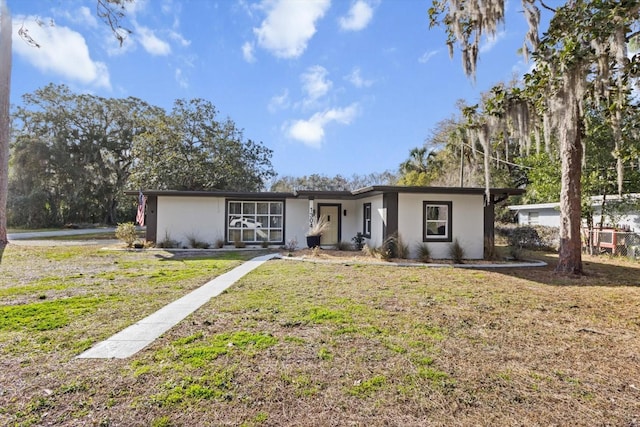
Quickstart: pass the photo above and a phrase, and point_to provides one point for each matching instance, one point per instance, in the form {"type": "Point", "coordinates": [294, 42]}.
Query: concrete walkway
{"type": "Point", "coordinates": [129, 341]}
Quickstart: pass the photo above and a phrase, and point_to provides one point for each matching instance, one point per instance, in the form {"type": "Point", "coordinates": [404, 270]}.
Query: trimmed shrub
{"type": "Point", "coordinates": [456, 252]}
{"type": "Point", "coordinates": [536, 237]}
{"type": "Point", "coordinates": [195, 243]}
{"type": "Point", "coordinates": [358, 241]}
{"type": "Point", "coordinates": [127, 232]}
{"type": "Point", "coordinates": [424, 253]}
{"type": "Point", "coordinates": [168, 242]}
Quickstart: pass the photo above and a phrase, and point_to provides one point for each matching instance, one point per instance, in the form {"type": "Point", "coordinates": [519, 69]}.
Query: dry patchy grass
{"type": "Point", "coordinates": [297, 343]}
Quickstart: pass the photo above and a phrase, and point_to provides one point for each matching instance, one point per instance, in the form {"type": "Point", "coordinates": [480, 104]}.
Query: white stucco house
{"type": "Point", "coordinates": [433, 215]}
{"type": "Point", "coordinates": [548, 214]}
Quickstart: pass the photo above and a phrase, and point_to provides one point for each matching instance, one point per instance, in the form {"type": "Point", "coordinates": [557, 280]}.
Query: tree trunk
{"type": "Point", "coordinates": [5, 121]}
{"type": "Point", "coordinates": [570, 253]}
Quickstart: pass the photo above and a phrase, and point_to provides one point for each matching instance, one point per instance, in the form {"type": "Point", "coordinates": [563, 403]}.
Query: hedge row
{"type": "Point", "coordinates": [536, 237]}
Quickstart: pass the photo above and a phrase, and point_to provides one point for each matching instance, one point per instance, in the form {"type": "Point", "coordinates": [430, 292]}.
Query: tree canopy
{"type": "Point", "coordinates": [73, 155]}
{"type": "Point", "coordinates": [110, 11]}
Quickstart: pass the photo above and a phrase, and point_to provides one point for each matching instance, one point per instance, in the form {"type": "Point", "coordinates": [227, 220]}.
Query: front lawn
{"type": "Point", "coordinates": [298, 343]}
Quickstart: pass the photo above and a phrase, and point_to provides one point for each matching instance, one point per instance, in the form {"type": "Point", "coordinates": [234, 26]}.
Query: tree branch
{"type": "Point", "coordinates": [632, 35]}
{"type": "Point", "coordinates": [542, 3]}
{"type": "Point", "coordinates": [111, 12]}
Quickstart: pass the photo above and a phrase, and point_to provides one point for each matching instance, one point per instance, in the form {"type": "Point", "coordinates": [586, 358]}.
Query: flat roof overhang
{"type": "Point", "coordinates": [346, 195]}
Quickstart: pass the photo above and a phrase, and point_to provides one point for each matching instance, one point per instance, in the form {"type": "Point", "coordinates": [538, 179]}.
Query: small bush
{"type": "Point", "coordinates": [424, 253]}
{"type": "Point", "coordinates": [195, 243]}
{"type": "Point", "coordinates": [515, 252]}
{"type": "Point", "coordinates": [343, 246]}
{"type": "Point", "coordinates": [403, 251]}
{"type": "Point", "coordinates": [389, 248]}
{"type": "Point", "coordinates": [456, 252]}
{"type": "Point", "coordinates": [369, 251]}
{"type": "Point", "coordinates": [168, 242]}
{"type": "Point", "coordinates": [291, 245]}
{"type": "Point", "coordinates": [127, 232]}
{"type": "Point", "coordinates": [393, 247]}
{"type": "Point", "coordinates": [358, 241]}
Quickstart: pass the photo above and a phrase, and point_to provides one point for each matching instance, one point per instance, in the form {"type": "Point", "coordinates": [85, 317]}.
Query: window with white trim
{"type": "Point", "coordinates": [436, 221]}
{"type": "Point", "coordinates": [255, 221]}
{"type": "Point", "coordinates": [366, 220]}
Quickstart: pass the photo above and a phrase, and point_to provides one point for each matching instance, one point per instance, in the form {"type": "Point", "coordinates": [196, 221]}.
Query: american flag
{"type": "Point", "coordinates": [142, 202]}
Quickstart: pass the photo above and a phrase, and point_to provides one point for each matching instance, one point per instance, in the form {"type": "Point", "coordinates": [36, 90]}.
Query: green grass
{"type": "Point", "coordinates": [48, 315]}
{"type": "Point", "coordinates": [297, 343]}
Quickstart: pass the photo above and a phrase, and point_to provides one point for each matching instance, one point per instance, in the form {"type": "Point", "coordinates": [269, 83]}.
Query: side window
{"type": "Point", "coordinates": [436, 221]}
{"type": "Point", "coordinates": [366, 220]}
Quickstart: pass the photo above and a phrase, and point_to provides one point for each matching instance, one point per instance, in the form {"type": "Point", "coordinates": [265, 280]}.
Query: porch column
{"type": "Point", "coordinates": [489, 226]}
{"type": "Point", "coordinates": [152, 219]}
{"type": "Point", "coordinates": [390, 206]}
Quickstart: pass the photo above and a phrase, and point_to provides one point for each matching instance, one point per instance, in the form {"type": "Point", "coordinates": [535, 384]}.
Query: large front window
{"type": "Point", "coordinates": [252, 222]}
{"type": "Point", "coordinates": [437, 222]}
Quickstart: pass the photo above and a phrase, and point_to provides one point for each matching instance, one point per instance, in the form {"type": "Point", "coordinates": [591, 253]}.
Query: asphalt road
{"type": "Point", "coordinates": [57, 233]}
{"type": "Point", "coordinates": [42, 238]}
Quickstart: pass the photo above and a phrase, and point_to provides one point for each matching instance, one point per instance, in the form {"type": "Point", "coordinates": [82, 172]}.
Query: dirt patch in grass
{"type": "Point", "coordinates": [297, 343]}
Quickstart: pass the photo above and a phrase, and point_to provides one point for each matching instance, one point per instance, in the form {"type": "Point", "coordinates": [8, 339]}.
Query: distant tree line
{"type": "Point", "coordinates": [73, 155]}
{"type": "Point", "coordinates": [336, 183]}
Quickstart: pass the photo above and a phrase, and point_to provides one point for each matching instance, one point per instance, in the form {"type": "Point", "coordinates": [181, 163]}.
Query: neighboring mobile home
{"type": "Point", "coordinates": [433, 215]}
{"type": "Point", "coordinates": [621, 213]}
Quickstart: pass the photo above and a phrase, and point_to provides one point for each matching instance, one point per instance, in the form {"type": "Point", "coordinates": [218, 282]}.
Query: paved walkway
{"type": "Point", "coordinates": [139, 335]}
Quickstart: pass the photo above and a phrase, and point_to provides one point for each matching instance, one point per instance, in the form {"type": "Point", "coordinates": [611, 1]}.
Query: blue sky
{"type": "Point", "coordinates": [331, 86]}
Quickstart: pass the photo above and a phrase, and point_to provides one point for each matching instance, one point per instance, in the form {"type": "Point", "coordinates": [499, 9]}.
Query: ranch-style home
{"type": "Point", "coordinates": [433, 215]}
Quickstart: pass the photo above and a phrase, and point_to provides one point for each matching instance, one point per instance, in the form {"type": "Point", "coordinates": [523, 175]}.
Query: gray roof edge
{"type": "Point", "coordinates": [361, 192]}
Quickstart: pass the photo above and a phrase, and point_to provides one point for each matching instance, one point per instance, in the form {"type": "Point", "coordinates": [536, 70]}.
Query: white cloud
{"type": "Point", "coordinates": [356, 79]}
{"type": "Point", "coordinates": [490, 42]}
{"type": "Point", "coordinates": [135, 7]}
{"type": "Point", "coordinates": [176, 36]}
{"type": "Point", "coordinates": [83, 16]}
{"type": "Point", "coordinates": [289, 25]}
{"type": "Point", "coordinates": [315, 83]}
{"type": "Point", "coordinates": [427, 56]}
{"type": "Point", "coordinates": [181, 79]}
{"type": "Point", "coordinates": [358, 18]}
{"type": "Point", "coordinates": [247, 52]}
{"type": "Point", "coordinates": [62, 51]}
{"type": "Point", "coordinates": [279, 102]}
{"type": "Point", "coordinates": [152, 43]}
{"type": "Point", "coordinates": [311, 132]}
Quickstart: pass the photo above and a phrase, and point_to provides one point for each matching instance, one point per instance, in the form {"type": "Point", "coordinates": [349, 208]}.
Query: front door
{"type": "Point", "coordinates": [332, 235]}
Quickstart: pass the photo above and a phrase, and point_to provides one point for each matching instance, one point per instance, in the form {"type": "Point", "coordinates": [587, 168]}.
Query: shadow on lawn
{"type": "Point", "coordinates": [598, 271]}
{"type": "Point", "coordinates": [222, 254]}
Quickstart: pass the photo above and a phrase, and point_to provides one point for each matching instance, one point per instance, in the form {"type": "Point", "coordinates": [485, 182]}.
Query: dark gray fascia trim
{"type": "Point", "coordinates": [375, 190]}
